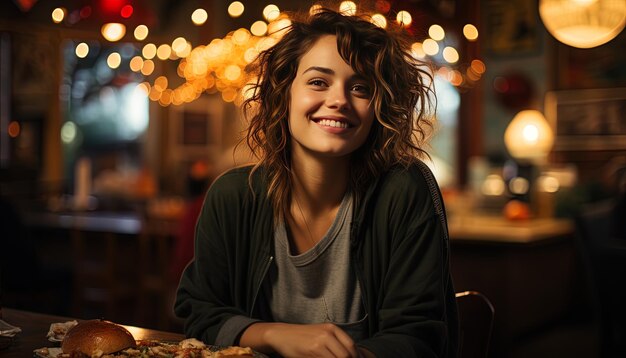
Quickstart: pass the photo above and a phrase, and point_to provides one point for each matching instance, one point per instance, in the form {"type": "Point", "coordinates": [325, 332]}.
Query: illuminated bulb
{"type": "Point", "coordinates": [278, 28]}
{"type": "Point", "coordinates": [114, 60]}
{"type": "Point", "coordinates": [82, 50]}
{"type": "Point", "coordinates": [404, 18]}
{"type": "Point", "coordinates": [241, 36]}
{"type": "Point", "coordinates": [379, 20]}
{"type": "Point", "coordinates": [141, 32]}
{"type": "Point", "coordinates": [179, 44]}
{"type": "Point", "coordinates": [259, 28]}
{"type": "Point", "coordinates": [14, 129]}
{"type": "Point", "coordinates": [127, 11]}
{"type": "Point", "coordinates": [314, 9]}
{"type": "Point", "coordinates": [430, 47]}
{"type": "Point", "coordinates": [478, 66]}
{"type": "Point", "coordinates": [136, 63]}
{"type": "Point", "coordinates": [149, 51]}
{"type": "Point", "coordinates": [529, 136]}
{"type": "Point", "coordinates": [164, 51]}
{"type": "Point", "coordinates": [470, 32]}
{"type": "Point", "coordinates": [186, 51]}
{"type": "Point", "coordinates": [347, 8]}
{"type": "Point", "coordinates": [436, 32]}
{"type": "Point", "coordinates": [417, 50]}
{"type": "Point", "coordinates": [147, 68]}
{"type": "Point", "coordinates": [250, 55]}
{"type": "Point", "coordinates": [235, 9]}
{"type": "Point", "coordinates": [113, 31]}
{"type": "Point", "coordinates": [271, 12]}
{"type": "Point", "coordinates": [232, 72]}
{"type": "Point", "coordinates": [58, 14]}
{"type": "Point", "coordinates": [519, 186]}
{"type": "Point", "coordinates": [450, 54]}
{"type": "Point", "coordinates": [493, 185]}
{"type": "Point", "coordinates": [160, 83]}
{"type": "Point", "coordinates": [548, 184]}
{"type": "Point", "coordinates": [199, 17]}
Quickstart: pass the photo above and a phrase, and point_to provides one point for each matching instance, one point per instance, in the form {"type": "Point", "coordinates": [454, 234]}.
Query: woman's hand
{"type": "Point", "coordinates": [296, 340]}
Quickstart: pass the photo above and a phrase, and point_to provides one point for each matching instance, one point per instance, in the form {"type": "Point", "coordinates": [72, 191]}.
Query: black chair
{"type": "Point", "coordinates": [604, 254]}
{"type": "Point", "coordinates": [476, 315]}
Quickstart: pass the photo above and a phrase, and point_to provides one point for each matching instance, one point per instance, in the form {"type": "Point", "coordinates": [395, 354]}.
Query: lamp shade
{"type": "Point", "coordinates": [583, 23]}
{"type": "Point", "coordinates": [529, 136]}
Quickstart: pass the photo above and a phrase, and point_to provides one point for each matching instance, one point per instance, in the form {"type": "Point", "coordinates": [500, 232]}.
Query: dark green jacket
{"type": "Point", "coordinates": [399, 243]}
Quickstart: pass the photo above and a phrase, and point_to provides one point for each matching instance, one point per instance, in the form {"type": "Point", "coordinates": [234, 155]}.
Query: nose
{"type": "Point", "coordinates": [337, 98]}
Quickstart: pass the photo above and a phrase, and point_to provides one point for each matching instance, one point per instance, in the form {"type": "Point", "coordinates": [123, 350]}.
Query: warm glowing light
{"type": "Point", "coordinates": [235, 9]}
{"type": "Point", "coordinates": [164, 51]}
{"type": "Point", "coordinates": [148, 67]}
{"type": "Point", "coordinates": [160, 83]}
{"type": "Point", "coordinates": [493, 185]}
{"type": "Point", "coordinates": [478, 66]}
{"type": "Point", "coordinates": [136, 63]}
{"type": "Point", "coordinates": [417, 50]}
{"type": "Point", "coordinates": [179, 44]}
{"type": "Point", "coordinates": [241, 36]}
{"type": "Point", "coordinates": [114, 60]}
{"type": "Point", "coordinates": [314, 9]}
{"type": "Point", "coordinates": [450, 54]}
{"type": "Point", "coordinates": [14, 129]}
{"type": "Point", "coordinates": [143, 88]}
{"type": "Point", "coordinates": [58, 14]}
{"type": "Point", "coordinates": [149, 51]}
{"type": "Point", "coordinates": [347, 8]}
{"type": "Point", "coordinates": [113, 31]}
{"type": "Point", "coordinates": [548, 184]}
{"type": "Point", "coordinates": [259, 28]}
{"type": "Point", "coordinates": [529, 136]}
{"type": "Point", "coordinates": [271, 12]}
{"type": "Point", "coordinates": [232, 72]}
{"type": "Point", "coordinates": [141, 32]}
{"type": "Point", "coordinates": [82, 50]}
{"type": "Point", "coordinates": [250, 55]}
{"type": "Point", "coordinates": [199, 17]}
{"type": "Point", "coordinates": [519, 186]}
{"type": "Point", "coordinates": [229, 94]}
{"type": "Point", "coordinates": [404, 18]}
{"type": "Point", "coordinates": [436, 32]}
{"type": "Point", "coordinates": [583, 23]}
{"type": "Point", "coordinates": [470, 32]}
{"type": "Point", "coordinates": [379, 20]}
{"type": "Point", "coordinates": [455, 77]}
{"type": "Point", "coordinates": [430, 47]}
{"type": "Point", "coordinates": [279, 27]}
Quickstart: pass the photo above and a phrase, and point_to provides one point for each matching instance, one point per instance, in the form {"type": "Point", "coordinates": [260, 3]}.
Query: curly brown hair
{"type": "Point", "coordinates": [402, 97]}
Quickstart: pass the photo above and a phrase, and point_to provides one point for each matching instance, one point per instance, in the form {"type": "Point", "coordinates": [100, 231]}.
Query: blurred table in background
{"type": "Point", "coordinates": [529, 269]}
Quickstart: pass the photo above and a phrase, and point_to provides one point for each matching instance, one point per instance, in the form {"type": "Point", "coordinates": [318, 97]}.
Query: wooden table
{"type": "Point", "coordinates": [35, 326]}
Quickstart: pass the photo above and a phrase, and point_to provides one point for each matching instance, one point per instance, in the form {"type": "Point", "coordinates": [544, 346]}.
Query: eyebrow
{"type": "Point", "coordinates": [320, 69]}
{"type": "Point", "coordinates": [328, 71]}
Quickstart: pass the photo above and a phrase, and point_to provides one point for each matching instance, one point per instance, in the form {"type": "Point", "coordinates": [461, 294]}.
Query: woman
{"type": "Point", "coordinates": [335, 243]}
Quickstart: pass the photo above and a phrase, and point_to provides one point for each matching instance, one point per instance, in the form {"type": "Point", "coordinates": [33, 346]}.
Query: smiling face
{"type": "Point", "coordinates": [330, 109]}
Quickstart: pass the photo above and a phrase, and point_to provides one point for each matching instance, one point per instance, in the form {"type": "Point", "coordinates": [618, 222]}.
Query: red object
{"type": "Point", "coordinates": [25, 5]}
{"type": "Point", "coordinates": [111, 7]}
{"type": "Point", "coordinates": [126, 11]}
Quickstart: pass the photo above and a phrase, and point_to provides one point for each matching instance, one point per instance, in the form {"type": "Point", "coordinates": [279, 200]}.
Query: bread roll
{"type": "Point", "coordinates": [97, 337]}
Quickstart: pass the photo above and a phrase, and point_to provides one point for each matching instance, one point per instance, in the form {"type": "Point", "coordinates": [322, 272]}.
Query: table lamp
{"type": "Point", "coordinates": [529, 139]}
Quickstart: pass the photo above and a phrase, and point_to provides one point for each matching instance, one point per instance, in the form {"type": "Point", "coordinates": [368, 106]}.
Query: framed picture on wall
{"type": "Point", "coordinates": [196, 128]}
{"type": "Point", "coordinates": [511, 27]}
{"type": "Point", "coordinates": [588, 119]}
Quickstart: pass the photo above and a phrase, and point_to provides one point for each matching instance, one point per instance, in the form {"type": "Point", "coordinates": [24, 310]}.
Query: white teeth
{"type": "Point", "coordinates": [332, 123]}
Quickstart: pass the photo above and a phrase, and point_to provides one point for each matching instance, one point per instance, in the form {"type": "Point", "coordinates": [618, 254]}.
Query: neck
{"type": "Point", "coordinates": [320, 184]}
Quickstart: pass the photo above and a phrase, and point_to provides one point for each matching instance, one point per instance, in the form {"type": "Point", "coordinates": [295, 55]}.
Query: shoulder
{"type": "Point", "coordinates": [412, 186]}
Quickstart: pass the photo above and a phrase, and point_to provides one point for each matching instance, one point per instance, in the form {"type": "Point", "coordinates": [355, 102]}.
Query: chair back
{"type": "Point", "coordinates": [476, 315]}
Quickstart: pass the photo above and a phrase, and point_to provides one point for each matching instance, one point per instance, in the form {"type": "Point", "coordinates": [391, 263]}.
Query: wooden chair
{"type": "Point", "coordinates": [476, 314]}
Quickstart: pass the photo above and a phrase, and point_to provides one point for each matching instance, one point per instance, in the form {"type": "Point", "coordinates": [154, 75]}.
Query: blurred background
{"type": "Point", "coordinates": [116, 115]}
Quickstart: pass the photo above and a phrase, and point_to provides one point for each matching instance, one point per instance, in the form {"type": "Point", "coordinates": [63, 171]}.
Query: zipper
{"type": "Point", "coordinates": [258, 285]}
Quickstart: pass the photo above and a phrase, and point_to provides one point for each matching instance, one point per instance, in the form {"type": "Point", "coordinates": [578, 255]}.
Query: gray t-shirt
{"type": "Point", "coordinates": [319, 285]}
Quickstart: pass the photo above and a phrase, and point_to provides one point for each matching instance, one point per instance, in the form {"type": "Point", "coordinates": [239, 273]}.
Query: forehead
{"type": "Point", "coordinates": [322, 53]}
